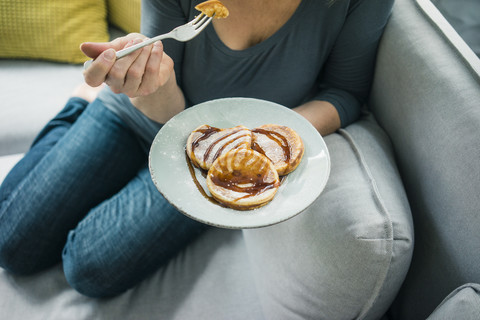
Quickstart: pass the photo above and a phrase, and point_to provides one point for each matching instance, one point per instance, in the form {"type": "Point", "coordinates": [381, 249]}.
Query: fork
{"type": "Point", "coordinates": [182, 33]}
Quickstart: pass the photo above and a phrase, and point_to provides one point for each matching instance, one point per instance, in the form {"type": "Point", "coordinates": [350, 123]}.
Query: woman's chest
{"type": "Point", "coordinates": [283, 68]}
{"type": "Point", "coordinates": [252, 21]}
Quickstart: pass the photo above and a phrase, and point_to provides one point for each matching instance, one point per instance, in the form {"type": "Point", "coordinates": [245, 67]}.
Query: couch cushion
{"type": "Point", "coordinates": [124, 14]}
{"type": "Point", "coordinates": [210, 279]}
{"type": "Point", "coordinates": [32, 93]}
{"type": "Point", "coordinates": [427, 97]}
{"type": "Point", "coordinates": [464, 15]}
{"type": "Point", "coordinates": [463, 303]}
{"type": "Point", "coordinates": [51, 30]}
{"type": "Point", "coordinates": [346, 255]}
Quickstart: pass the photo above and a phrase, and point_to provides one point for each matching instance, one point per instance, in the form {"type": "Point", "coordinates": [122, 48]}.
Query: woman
{"type": "Point", "coordinates": [83, 194]}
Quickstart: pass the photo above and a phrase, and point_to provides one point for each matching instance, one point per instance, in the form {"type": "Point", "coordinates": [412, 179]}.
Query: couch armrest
{"type": "Point", "coordinates": [426, 97]}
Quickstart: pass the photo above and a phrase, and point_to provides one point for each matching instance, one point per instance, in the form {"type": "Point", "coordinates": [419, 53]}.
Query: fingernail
{"type": "Point", "coordinates": [109, 54]}
{"type": "Point", "coordinates": [157, 46]}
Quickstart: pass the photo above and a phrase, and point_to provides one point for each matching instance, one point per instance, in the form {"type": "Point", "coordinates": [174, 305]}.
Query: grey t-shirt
{"type": "Point", "coordinates": [323, 52]}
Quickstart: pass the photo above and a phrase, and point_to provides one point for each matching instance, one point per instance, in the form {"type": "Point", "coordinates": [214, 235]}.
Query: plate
{"type": "Point", "coordinates": [170, 172]}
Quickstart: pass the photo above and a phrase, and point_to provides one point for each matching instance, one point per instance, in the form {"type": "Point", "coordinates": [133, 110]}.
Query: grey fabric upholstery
{"type": "Point", "coordinates": [344, 257]}
{"type": "Point", "coordinates": [347, 254]}
{"type": "Point", "coordinates": [427, 99]}
{"type": "Point", "coordinates": [463, 303]}
{"type": "Point", "coordinates": [209, 280]}
{"type": "Point", "coordinates": [464, 15]}
{"type": "Point", "coordinates": [32, 93]}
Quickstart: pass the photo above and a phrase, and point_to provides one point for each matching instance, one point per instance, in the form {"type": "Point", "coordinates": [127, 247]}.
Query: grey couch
{"type": "Point", "coordinates": [394, 235]}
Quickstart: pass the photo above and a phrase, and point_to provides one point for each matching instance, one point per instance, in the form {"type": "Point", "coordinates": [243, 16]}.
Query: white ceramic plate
{"type": "Point", "coordinates": [170, 172]}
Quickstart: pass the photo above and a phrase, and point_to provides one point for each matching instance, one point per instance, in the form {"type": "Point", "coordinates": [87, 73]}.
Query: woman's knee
{"type": "Point", "coordinates": [10, 261]}
{"type": "Point", "coordinates": [25, 248]}
{"type": "Point", "coordinates": [88, 273]}
{"type": "Point", "coordinates": [19, 255]}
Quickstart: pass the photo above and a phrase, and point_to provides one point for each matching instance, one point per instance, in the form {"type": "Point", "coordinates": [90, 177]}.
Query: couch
{"type": "Point", "coordinates": [403, 244]}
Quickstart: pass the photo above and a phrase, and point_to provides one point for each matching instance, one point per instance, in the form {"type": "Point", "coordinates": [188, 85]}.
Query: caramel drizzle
{"type": "Point", "coordinates": [255, 176]}
{"type": "Point", "coordinates": [204, 174]}
{"type": "Point", "coordinates": [219, 151]}
{"type": "Point", "coordinates": [197, 183]}
{"type": "Point", "coordinates": [206, 133]}
{"type": "Point", "coordinates": [278, 138]}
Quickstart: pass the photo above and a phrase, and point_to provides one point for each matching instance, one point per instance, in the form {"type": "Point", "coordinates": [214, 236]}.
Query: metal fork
{"type": "Point", "coordinates": [182, 33]}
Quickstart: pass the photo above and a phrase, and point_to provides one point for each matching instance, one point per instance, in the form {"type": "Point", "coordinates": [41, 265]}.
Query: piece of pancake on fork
{"type": "Point", "coordinates": [213, 8]}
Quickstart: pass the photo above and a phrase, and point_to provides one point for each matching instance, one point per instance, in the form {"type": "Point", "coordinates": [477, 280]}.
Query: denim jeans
{"type": "Point", "coordinates": [83, 196]}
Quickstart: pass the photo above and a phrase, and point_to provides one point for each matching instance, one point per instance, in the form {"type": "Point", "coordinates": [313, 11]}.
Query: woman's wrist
{"type": "Point", "coordinates": [322, 115]}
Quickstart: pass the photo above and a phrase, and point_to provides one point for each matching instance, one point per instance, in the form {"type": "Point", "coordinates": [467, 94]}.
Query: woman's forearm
{"type": "Point", "coordinates": [164, 103]}
{"type": "Point", "coordinates": [321, 114]}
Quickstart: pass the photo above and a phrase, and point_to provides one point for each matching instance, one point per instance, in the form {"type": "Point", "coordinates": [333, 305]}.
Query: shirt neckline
{"type": "Point", "coordinates": [217, 42]}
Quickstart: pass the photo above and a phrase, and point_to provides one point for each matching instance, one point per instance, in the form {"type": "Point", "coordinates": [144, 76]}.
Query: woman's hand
{"type": "Point", "coordinates": [140, 73]}
{"type": "Point", "coordinates": [146, 75]}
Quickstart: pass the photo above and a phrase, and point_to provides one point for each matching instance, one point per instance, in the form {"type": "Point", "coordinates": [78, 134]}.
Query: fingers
{"type": "Point", "coordinates": [95, 75]}
{"type": "Point", "coordinates": [152, 78]}
{"type": "Point", "coordinates": [104, 57]}
{"type": "Point", "coordinates": [117, 77]}
{"type": "Point", "coordinates": [94, 49]}
{"type": "Point", "coordinates": [139, 73]}
{"type": "Point", "coordinates": [136, 72]}
{"type": "Point", "coordinates": [150, 70]}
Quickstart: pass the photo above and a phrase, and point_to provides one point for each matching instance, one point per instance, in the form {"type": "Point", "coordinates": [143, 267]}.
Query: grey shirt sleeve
{"type": "Point", "coordinates": [346, 78]}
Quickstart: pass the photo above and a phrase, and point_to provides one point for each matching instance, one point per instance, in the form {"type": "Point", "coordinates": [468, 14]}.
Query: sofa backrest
{"type": "Point", "coordinates": [426, 96]}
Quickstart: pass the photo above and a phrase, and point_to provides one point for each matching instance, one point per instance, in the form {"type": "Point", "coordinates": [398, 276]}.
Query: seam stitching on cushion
{"type": "Point", "coordinates": [388, 227]}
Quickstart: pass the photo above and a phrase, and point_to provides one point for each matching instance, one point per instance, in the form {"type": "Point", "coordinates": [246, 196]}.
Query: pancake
{"type": "Point", "coordinates": [281, 144]}
{"type": "Point", "coordinates": [243, 179]}
{"type": "Point", "coordinates": [213, 8]}
{"type": "Point", "coordinates": [205, 144]}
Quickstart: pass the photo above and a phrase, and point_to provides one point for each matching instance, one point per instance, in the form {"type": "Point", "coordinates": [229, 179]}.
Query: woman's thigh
{"type": "Point", "coordinates": [125, 239]}
{"type": "Point", "coordinates": [91, 162]}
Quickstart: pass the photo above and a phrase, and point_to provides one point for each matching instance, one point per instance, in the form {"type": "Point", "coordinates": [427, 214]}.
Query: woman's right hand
{"type": "Point", "coordinates": [138, 74]}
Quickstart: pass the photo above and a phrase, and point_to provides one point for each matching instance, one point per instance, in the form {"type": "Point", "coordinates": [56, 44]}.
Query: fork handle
{"type": "Point", "coordinates": [122, 53]}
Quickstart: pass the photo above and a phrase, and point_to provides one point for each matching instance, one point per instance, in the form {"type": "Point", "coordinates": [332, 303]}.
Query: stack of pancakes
{"type": "Point", "coordinates": [244, 166]}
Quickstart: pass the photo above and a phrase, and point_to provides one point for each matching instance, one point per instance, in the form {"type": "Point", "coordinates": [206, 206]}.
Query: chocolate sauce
{"type": "Point", "coordinates": [195, 180]}
{"type": "Point", "coordinates": [206, 133]}
{"type": "Point", "coordinates": [251, 180]}
{"type": "Point", "coordinates": [255, 176]}
{"type": "Point", "coordinates": [275, 136]}
{"type": "Point", "coordinates": [219, 151]}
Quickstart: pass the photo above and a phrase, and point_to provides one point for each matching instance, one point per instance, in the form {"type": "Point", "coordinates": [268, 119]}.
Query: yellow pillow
{"type": "Point", "coordinates": [125, 14]}
{"type": "Point", "coordinates": [50, 29]}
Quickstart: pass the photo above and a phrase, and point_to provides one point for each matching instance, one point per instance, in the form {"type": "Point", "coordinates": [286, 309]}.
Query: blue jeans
{"type": "Point", "coordinates": [83, 196]}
